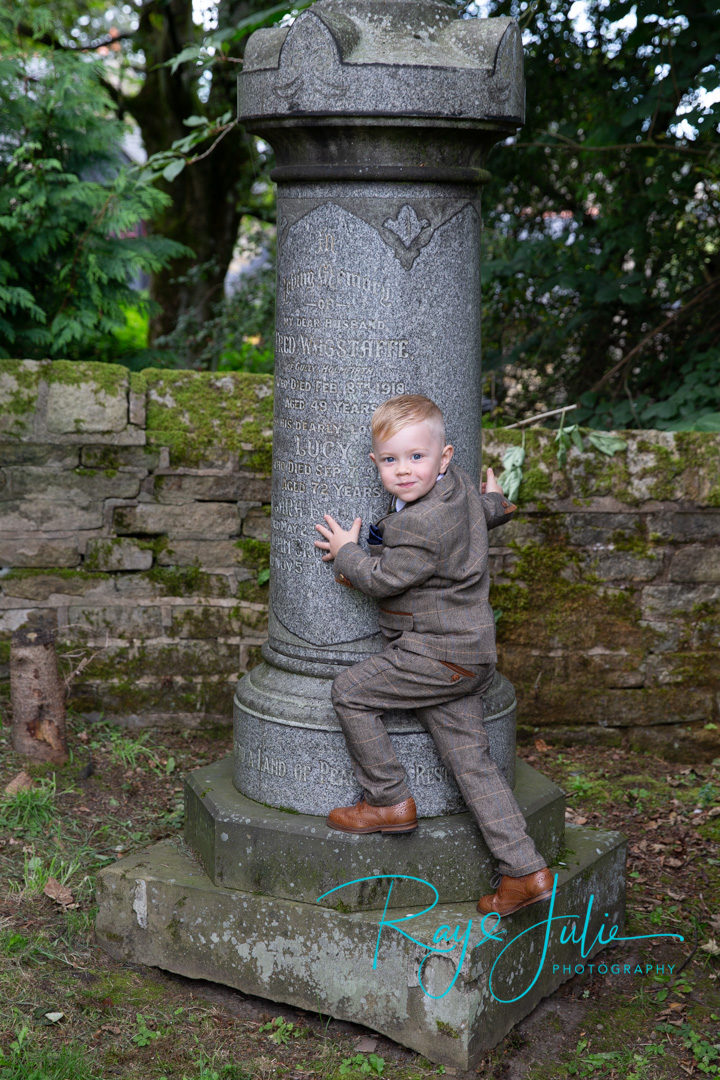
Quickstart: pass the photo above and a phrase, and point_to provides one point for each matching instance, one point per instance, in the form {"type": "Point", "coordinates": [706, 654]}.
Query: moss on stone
{"type": "Point", "coordinates": [193, 412]}
{"type": "Point", "coordinates": [108, 379]}
{"type": "Point", "coordinates": [256, 553]}
{"type": "Point", "coordinates": [186, 581]}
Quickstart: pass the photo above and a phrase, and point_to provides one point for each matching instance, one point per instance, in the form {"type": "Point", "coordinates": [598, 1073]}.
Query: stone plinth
{"type": "Point", "coordinates": [159, 908]}
{"type": "Point", "coordinates": [245, 845]}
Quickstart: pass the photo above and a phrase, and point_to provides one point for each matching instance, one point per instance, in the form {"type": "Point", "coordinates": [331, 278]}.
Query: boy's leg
{"type": "Point", "coordinates": [459, 734]}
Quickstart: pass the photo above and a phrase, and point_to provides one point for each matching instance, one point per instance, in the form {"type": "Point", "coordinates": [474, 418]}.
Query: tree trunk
{"type": "Point", "coordinates": [209, 197]}
{"type": "Point", "coordinates": [37, 695]}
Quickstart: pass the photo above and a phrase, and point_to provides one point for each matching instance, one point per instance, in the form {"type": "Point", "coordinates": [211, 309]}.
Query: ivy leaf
{"type": "Point", "coordinates": [173, 169]}
{"type": "Point", "coordinates": [511, 477]}
{"type": "Point", "coordinates": [263, 576]}
{"type": "Point", "coordinates": [606, 443]}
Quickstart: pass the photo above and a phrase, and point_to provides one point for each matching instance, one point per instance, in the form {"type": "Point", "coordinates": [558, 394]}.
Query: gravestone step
{"type": "Point", "coordinates": [245, 845]}
{"type": "Point", "coordinates": [159, 908]}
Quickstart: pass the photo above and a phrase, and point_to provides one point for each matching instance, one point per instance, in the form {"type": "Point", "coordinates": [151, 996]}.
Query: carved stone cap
{"type": "Point", "coordinates": [385, 58]}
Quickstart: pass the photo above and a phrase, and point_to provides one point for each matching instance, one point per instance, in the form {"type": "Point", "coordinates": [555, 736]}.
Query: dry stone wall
{"type": "Point", "coordinates": [134, 518]}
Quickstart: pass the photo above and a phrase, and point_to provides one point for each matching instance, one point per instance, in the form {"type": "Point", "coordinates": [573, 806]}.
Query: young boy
{"type": "Point", "coordinates": [428, 568]}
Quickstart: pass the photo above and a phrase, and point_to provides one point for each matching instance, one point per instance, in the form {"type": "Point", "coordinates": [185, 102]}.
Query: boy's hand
{"type": "Point", "coordinates": [491, 485]}
{"type": "Point", "coordinates": [335, 537]}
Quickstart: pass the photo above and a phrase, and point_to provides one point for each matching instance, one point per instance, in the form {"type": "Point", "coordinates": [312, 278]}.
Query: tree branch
{"type": "Point", "coordinates": [653, 333]}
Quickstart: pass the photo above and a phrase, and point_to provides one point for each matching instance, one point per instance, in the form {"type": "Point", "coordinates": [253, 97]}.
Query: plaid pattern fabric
{"type": "Point", "coordinates": [450, 706]}
{"type": "Point", "coordinates": [430, 575]}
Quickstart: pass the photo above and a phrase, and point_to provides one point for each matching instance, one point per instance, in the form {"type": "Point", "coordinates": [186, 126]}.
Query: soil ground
{"type": "Point", "coordinates": [69, 1012]}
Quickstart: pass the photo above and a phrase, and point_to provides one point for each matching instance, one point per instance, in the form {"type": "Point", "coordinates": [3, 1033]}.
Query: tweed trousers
{"type": "Point", "coordinates": [449, 705]}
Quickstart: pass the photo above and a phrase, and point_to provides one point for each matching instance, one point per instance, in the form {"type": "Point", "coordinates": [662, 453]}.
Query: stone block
{"type": "Point", "coordinates": [256, 523]}
{"type": "Point", "coordinates": [115, 621]}
{"type": "Point", "coordinates": [622, 566]}
{"type": "Point", "coordinates": [696, 564]}
{"type": "Point", "coordinates": [660, 602]}
{"type": "Point", "coordinates": [47, 513]}
{"type": "Point", "coordinates": [122, 458]}
{"type": "Point", "coordinates": [159, 908]}
{"type": "Point", "coordinates": [117, 553]}
{"type": "Point", "coordinates": [205, 553]}
{"type": "Point", "coordinates": [12, 619]}
{"type": "Point", "coordinates": [87, 405]}
{"type": "Point", "coordinates": [592, 529]}
{"type": "Point", "coordinates": [36, 551]}
{"type": "Point", "coordinates": [55, 587]}
{"type": "Point", "coordinates": [183, 488]}
{"type": "Point", "coordinates": [246, 845]}
{"type": "Point", "coordinates": [19, 386]}
{"type": "Point", "coordinates": [206, 620]}
{"type": "Point", "coordinates": [685, 526]}
{"type": "Point", "coordinates": [194, 521]}
{"type": "Point", "coordinates": [39, 454]}
{"type": "Point", "coordinates": [79, 487]}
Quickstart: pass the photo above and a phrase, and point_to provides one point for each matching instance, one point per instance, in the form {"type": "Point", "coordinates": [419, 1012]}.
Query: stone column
{"type": "Point", "coordinates": [381, 114]}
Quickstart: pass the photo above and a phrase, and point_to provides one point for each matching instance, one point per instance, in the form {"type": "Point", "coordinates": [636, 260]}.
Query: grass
{"type": "Point", "coordinates": [68, 1010]}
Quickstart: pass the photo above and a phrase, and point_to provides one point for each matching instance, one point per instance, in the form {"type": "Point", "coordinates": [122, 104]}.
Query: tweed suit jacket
{"type": "Point", "coordinates": [430, 575]}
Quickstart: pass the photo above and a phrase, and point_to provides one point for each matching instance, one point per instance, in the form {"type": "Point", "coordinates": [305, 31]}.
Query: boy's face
{"type": "Point", "coordinates": [410, 460]}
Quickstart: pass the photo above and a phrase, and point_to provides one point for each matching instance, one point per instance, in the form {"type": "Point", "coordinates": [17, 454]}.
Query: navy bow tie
{"type": "Point", "coordinates": [374, 535]}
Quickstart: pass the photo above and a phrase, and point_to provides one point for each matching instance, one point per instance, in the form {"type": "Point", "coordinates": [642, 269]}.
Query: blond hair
{"type": "Point", "coordinates": [403, 410]}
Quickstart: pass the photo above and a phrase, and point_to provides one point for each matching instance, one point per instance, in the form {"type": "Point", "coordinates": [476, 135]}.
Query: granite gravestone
{"type": "Point", "coordinates": [381, 115]}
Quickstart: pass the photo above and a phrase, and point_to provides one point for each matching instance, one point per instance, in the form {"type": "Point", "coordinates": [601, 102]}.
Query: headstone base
{"type": "Point", "coordinates": [245, 845]}
{"type": "Point", "coordinates": [159, 908]}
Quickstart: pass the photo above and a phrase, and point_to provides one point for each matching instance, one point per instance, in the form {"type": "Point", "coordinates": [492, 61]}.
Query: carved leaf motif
{"type": "Point", "coordinates": [407, 226]}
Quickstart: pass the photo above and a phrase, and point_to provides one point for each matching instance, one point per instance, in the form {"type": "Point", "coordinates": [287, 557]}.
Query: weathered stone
{"type": "Point", "coordinates": [137, 620]}
{"type": "Point", "coordinates": [696, 564]}
{"type": "Point", "coordinates": [117, 554]}
{"type": "Point", "coordinates": [46, 513]}
{"type": "Point", "coordinates": [596, 529]}
{"type": "Point", "coordinates": [55, 586]}
{"type": "Point", "coordinates": [205, 553]}
{"type": "Point", "coordinates": [623, 566]}
{"type": "Point", "coordinates": [159, 908]}
{"type": "Point", "coordinates": [676, 601]}
{"type": "Point", "coordinates": [121, 458]}
{"type": "Point", "coordinates": [208, 620]}
{"type": "Point", "coordinates": [683, 527]}
{"type": "Point", "coordinates": [184, 488]}
{"type": "Point", "coordinates": [12, 619]}
{"type": "Point", "coordinates": [246, 845]}
{"type": "Point", "coordinates": [35, 551]}
{"type": "Point", "coordinates": [77, 406]}
{"type": "Point", "coordinates": [79, 487]}
{"type": "Point", "coordinates": [190, 521]}
{"type": "Point", "coordinates": [39, 454]}
{"type": "Point", "coordinates": [19, 387]}
{"type": "Point", "coordinates": [256, 523]}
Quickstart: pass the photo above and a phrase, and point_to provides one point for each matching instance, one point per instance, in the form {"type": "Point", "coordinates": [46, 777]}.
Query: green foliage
{"type": "Point", "coordinates": [238, 334]}
{"type": "Point", "coordinates": [71, 213]}
{"type": "Point", "coordinates": [359, 1065]}
{"type": "Point", "coordinates": [29, 810]}
{"type": "Point", "coordinates": [602, 261]}
{"type": "Point", "coordinates": [280, 1031]}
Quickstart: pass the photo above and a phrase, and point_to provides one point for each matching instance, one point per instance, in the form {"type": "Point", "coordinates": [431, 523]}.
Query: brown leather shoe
{"type": "Point", "coordinates": [363, 818]}
{"type": "Point", "coordinates": [517, 892]}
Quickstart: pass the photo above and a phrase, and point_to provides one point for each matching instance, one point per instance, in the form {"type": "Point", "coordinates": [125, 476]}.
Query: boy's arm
{"type": "Point", "coordinates": [401, 565]}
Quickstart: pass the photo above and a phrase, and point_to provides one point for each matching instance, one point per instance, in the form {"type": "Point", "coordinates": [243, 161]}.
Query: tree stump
{"type": "Point", "coordinates": [37, 695]}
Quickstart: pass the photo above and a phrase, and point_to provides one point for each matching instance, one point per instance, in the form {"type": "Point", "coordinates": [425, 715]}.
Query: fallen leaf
{"type": "Point", "coordinates": [366, 1045]}
{"type": "Point", "coordinates": [59, 893]}
{"type": "Point", "coordinates": [19, 783]}
{"type": "Point", "coordinates": [675, 863]}
{"type": "Point", "coordinates": [676, 895]}
{"type": "Point", "coordinates": [541, 746]}
{"type": "Point", "coordinates": [54, 1017]}
{"type": "Point", "coordinates": [711, 947]}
